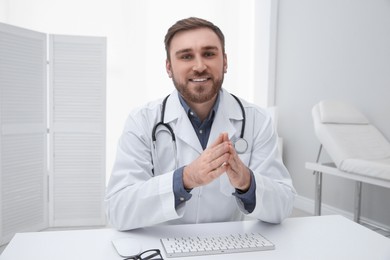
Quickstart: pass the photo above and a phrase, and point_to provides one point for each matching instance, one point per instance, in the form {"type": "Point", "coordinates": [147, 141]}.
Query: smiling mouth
{"type": "Point", "coordinates": [199, 79]}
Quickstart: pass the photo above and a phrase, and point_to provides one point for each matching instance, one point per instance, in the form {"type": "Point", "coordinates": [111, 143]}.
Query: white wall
{"type": "Point", "coordinates": [332, 49]}
{"type": "Point", "coordinates": [136, 57]}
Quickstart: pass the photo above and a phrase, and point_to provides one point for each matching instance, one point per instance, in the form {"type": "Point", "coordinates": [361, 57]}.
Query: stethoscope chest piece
{"type": "Point", "coordinates": [241, 145]}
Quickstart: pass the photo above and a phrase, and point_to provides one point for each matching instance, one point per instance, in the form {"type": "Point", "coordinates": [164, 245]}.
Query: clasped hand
{"type": "Point", "coordinates": [220, 157]}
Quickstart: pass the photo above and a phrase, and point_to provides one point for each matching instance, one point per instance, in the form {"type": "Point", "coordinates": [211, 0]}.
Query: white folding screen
{"type": "Point", "coordinates": [23, 153]}
{"type": "Point", "coordinates": [62, 186]}
{"type": "Point", "coordinates": [77, 129]}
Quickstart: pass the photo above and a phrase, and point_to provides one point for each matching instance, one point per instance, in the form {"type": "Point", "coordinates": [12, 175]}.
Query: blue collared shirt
{"type": "Point", "coordinates": [202, 130]}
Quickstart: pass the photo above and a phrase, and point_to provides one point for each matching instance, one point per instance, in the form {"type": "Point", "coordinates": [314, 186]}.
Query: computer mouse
{"type": "Point", "coordinates": [127, 246]}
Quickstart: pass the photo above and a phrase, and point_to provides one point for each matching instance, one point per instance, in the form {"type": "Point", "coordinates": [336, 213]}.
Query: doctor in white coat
{"type": "Point", "coordinates": [201, 175]}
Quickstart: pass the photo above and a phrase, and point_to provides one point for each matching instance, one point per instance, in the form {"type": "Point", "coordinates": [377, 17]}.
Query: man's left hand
{"type": "Point", "coordinates": [237, 171]}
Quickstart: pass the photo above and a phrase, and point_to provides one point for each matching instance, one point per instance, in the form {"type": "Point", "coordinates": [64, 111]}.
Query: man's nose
{"type": "Point", "coordinates": [199, 65]}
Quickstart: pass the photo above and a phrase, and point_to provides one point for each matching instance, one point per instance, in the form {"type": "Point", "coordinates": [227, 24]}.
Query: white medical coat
{"type": "Point", "coordinates": [140, 190]}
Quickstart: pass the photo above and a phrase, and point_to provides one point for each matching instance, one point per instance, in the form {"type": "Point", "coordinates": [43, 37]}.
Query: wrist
{"type": "Point", "coordinates": [247, 184]}
{"type": "Point", "coordinates": [243, 190]}
{"type": "Point", "coordinates": [186, 180]}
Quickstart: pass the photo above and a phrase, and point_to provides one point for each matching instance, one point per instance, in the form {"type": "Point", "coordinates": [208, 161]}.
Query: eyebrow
{"type": "Point", "coordinates": [207, 48]}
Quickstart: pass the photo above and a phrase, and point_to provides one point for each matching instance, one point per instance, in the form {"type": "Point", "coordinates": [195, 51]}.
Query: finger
{"type": "Point", "coordinates": [233, 159]}
{"type": "Point", "coordinates": [233, 151]}
{"type": "Point", "coordinates": [213, 153]}
{"type": "Point", "coordinates": [232, 170]}
{"type": "Point", "coordinates": [225, 137]}
{"type": "Point", "coordinates": [220, 161]}
{"type": "Point", "coordinates": [218, 140]}
{"type": "Point", "coordinates": [218, 171]}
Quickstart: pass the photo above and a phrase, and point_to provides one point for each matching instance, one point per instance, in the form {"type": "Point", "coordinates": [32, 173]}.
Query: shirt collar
{"type": "Point", "coordinates": [190, 112]}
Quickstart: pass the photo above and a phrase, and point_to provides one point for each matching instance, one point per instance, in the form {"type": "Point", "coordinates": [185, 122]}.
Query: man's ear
{"type": "Point", "coordinates": [225, 64]}
{"type": "Point", "coordinates": [168, 68]}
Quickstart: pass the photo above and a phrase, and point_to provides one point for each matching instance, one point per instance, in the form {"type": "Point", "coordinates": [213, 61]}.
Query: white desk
{"type": "Point", "coordinates": [322, 237]}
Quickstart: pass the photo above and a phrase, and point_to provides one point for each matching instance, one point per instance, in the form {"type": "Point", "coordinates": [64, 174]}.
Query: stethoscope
{"type": "Point", "coordinates": [241, 145]}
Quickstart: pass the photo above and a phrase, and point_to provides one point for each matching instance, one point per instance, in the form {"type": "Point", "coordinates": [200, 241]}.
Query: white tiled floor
{"type": "Point", "coordinates": [2, 248]}
{"type": "Point", "coordinates": [381, 231]}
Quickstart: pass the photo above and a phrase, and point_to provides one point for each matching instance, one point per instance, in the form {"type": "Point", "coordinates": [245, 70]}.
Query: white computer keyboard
{"type": "Point", "coordinates": [211, 245]}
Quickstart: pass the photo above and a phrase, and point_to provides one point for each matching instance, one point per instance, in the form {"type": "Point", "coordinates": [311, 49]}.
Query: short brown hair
{"type": "Point", "coordinates": [191, 23]}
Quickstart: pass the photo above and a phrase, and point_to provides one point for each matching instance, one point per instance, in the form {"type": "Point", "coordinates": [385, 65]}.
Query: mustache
{"type": "Point", "coordinates": [201, 74]}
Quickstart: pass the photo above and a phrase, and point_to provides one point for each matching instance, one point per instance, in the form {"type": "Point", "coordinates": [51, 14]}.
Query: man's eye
{"type": "Point", "coordinates": [209, 54]}
{"type": "Point", "coordinates": [186, 57]}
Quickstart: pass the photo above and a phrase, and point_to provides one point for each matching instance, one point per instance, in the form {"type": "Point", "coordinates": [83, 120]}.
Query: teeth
{"type": "Point", "coordinates": [199, 80]}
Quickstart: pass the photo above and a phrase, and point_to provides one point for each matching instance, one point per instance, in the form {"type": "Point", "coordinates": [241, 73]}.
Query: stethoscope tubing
{"type": "Point", "coordinates": [161, 123]}
{"type": "Point", "coordinates": [243, 116]}
{"type": "Point", "coordinates": [241, 144]}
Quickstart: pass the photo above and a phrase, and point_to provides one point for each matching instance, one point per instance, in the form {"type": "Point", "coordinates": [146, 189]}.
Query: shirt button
{"type": "Point", "coordinates": [201, 131]}
{"type": "Point", "coordinates": [181, 199]}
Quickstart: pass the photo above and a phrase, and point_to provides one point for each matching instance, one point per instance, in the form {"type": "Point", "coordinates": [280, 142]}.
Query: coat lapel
{"type": "Point", "coordinates": [182, 127]}
{"type": "Point", "coordinates": [228, 110]}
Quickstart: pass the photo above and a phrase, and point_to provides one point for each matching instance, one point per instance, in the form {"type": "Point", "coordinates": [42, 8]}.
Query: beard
{"type": "Point", "coordinates": [199, 93]}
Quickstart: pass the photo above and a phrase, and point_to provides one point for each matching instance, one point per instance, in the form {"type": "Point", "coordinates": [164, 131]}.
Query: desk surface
{"type": "Point", "coordinates": [322, 237]}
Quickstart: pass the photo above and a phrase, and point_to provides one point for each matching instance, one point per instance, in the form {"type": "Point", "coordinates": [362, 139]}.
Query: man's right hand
{"type": "Point", "coordinates": [209, 165]}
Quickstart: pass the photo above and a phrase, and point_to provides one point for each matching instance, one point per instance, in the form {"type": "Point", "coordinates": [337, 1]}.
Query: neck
{"type": "Point", "coordinates": [202, 110]}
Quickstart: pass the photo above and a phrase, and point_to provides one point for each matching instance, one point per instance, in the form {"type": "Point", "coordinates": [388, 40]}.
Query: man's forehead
{"type": "Point", "coordinates": [201, 38]}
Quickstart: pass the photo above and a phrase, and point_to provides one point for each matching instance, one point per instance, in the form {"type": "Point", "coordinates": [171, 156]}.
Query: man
{"type": "Point", "coordinates": [178, 160]}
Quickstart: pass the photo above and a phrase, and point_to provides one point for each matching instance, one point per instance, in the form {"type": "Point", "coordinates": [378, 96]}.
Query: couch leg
{"type": "Point", "coordinates": [358, 199]}
{"type": "Point", "coordinates": [318, 194]}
